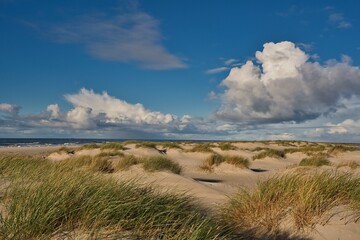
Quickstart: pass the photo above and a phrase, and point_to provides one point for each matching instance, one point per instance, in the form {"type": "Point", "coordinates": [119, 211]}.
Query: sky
{"type": "Point", "coordinates": [180, 69]}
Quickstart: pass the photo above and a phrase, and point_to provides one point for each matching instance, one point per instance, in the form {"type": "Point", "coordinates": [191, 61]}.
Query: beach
{"type": "Point", "coordinates": [212, 185]}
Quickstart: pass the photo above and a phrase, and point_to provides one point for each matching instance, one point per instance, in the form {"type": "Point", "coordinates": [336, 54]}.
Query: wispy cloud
{"type": "Point", "coordinates": [131, 37]}
{"type": "Point", "coordinates": [339, 20]}
{"type": "Point", "coordinates": [216, 70]}
{"type": "Point", "coordinates": [230, 61]}
{"type": "Point", "coordinates": [305, 46]}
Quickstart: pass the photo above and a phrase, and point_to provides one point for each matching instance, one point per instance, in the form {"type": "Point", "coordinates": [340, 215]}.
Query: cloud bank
{"type": "Point", "coordinates": [9, 108]}
{"type": "Point", "coordinates": [132, 37]}
{"type": "Point", "coordinates": [282, 94]}
{"type": "Point", "coordinates": [286, 86]}
{"type": "Point", "coordinates": [89, 106]}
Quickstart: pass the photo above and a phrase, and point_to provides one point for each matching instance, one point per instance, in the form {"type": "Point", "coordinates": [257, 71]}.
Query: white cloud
{"type": "Point", "coordinates": [216, 70]}
{"type": "Point", "coordinates": [114, 110]}
{"type": "Point", "coordinates": [133, 37]}
{"type": "Point", "coordinates": [81, 117]}
{"type": "Point", "coordinates": [54, 111]}
{"type": "Point", "coordinates": [230, 61]}
{"type": "Point", "coordinates": [286, 87]}
{"type": "Point", "coordinates": [9, 108]}
{"type": "Point", "coordinates": [305, 46]}
{"type": "Point", "coordinates": [346, 126]}
{"type": "Point", "coordinates": [339, 20]}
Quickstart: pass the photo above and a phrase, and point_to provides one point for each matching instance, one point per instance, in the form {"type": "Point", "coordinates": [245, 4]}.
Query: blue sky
{"type": "Point", "coordinates": [180, 69]}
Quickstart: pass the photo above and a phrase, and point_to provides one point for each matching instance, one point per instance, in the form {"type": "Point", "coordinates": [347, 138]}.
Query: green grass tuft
{"type": "Point", "coordinates": [92, 164]}
{"type": "Point", "coordinates": [170, 145]}
{"type": "Point", "coordinates": [216, 159]}
{"type": "Point", "coordinates": [237, 161]}
{"type": "Point", "coordinates": [68, 150]}
{"type": "Point", "coordinates": [202, 147]}
{"type": "Point", "coordinates": [146, 145]}
{"type": "Point", "coordinates": [112, 145]}
{"type": "Point", "coordinates": [126, 161]}
{"type": "Point", "coordinates": [301, 200]}
{"type": "Point", "coordinates": [273, 153]}
{"type": "Point", "coordinates": [89, 146]}
{"type": "Point", "coordinates": [309, 149]}
{"type": "Point", "coordinates": [110, 153]}
{"type": "Point", "coordinates": [46, 198]}
{"type": "Point", "coordinates": [158, 163]}
{"type": "Point", "coordinates": [351, 164]}
{"type": "Point", "coordinates": [342, 148]}
{"type": "Point", "coordinates": [316, 160]}
{"type": "Point", "coordinates": [225, 146]}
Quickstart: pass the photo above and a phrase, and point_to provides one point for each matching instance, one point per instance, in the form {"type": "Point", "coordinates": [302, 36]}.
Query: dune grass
{"type": "Point", "coordinates": [309, 149]}
{"type": "Point", "coordinates": [146, 145]}
{"type": "Point", "coordinates": [112, 145]}
{"type": "Point", "coordinates": [351, 164]}
{"type": "Point", "coordinates": [269, 152]}
{"type": "Point", "coordinates": [110, 153]}
{"type": "Point", "coordinates": [315, 160]}
{"type": "Point", "coordinates": [237, 161]}
{"type": "Point", "coordinates": [155, 145]}
{"type": "Point", "coordinates": [89, 163]}
{"type": "Point", "coordinates": [45, 199]}
{"type": "Point", "coordinates": [286, 143]}
{"type": "Point", "coordinates": [159, 163]}
{"type": "Point", "coordinates": [336, 149]}
{"type": "Point", "coordinates": [89, 146]}
{"type": "Point", "coordinates": [216, 159]}
{"type": "Point", "coordinates": [126, 161]}
{"type": "Point", "coordinates": [302, 199]}
{"type": "Point", "coordinates": [202, 147]}
{"type": "Point", "coordinates": [170, 145]}
{"type": "Point", "coordinates": [67, 150]}
{"type": "Point", "coordinates": [225, 146]}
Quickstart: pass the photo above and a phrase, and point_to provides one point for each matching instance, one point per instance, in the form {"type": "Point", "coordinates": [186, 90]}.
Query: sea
{"type": "Point", "coordinates": [37, 142]}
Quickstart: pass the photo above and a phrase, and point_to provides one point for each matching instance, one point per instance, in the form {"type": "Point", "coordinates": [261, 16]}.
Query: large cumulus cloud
{"type": "Point", "coordinates": [286, 86]}
{"type": "Point", "coordinates": [90, 105]}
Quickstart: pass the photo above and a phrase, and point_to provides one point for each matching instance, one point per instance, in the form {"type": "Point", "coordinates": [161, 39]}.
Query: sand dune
{"type": "Point", "coordinates": [212, 189]}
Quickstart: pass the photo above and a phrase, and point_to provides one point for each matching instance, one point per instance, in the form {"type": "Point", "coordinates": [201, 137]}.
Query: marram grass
{"type": "Point", "coordinates": [269, 153]}
{"type": "Point", "coordinates": [160, 163]}
{"type": "Point", "coordinates": [216, 159]}
{"type": "Point", "coordinates": [315, 160]}
{"type": "Point", "coordinates": [304, 200]}
{"type": "Point", "coordinates": [45, 199]}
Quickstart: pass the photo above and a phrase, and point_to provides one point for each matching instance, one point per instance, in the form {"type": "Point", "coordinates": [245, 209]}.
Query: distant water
{"type": "Point", "coordinates": [35, 142]}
